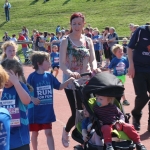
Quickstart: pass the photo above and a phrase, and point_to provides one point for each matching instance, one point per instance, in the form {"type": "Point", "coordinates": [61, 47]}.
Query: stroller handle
{"type": "Point", "coordinates": [77, 85]}
{"type": "Point", "coordinates": [86, 74]}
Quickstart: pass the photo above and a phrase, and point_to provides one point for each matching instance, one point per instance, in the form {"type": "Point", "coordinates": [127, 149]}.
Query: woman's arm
{"type": "Point", "coordinates": [93, 63]}
{"type": "Point", "coordinates": [63, 51]}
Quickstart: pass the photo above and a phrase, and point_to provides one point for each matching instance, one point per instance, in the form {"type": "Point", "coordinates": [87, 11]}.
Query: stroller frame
{"type": "Point", "coordinates": [122, 145]}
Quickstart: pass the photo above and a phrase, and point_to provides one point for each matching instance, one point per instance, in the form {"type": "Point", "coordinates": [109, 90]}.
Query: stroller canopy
{"type": "Point", "coordinates": [104, 84]}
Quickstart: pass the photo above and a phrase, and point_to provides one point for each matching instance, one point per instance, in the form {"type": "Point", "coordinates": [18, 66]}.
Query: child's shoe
{"type": "Point", "coordinates": [125, 102]}
{"type": "Point", "coordinates": [65, 138]}
{"type": "Point", "coordinates": [109, 147]}
{"type": "Point", "coordinates": [140, 147]}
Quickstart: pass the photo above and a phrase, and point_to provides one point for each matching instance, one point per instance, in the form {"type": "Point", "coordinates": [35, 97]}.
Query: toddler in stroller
{"type": "Point", "coordinates": [106, 87]}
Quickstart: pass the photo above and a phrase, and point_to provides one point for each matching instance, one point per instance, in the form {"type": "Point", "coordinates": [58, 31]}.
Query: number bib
{"type": "Point", "coordinates": [13, 110]}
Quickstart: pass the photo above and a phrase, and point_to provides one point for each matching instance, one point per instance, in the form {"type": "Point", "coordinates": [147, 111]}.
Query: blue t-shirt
{"type": "Point", "coordinates": [140, 42]}
{"type": "Point", "coordinates": [43, 85]}
{"type": "Point", "coordinates": [85, 123]}
{"type": "Point", "coordinates": [54, 59]}
{"type": "Point", "coordinates": [97, 45]}
{"type": "Point", "coordinates": [19, 136]}
{"type": "Point", "coordinates": [4, 129]}
{"type": "Point", "coordinates": [119, 66]}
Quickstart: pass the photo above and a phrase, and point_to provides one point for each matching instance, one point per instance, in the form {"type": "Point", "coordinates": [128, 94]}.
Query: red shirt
{"type": "Point", "coordinates": [22, 38]}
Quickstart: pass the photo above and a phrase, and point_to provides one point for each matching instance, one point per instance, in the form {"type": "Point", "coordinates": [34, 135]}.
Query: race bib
{"type": "Point", "coordinates": [14, 112]}
{"type": "Point", "coordinates": [56, 59]}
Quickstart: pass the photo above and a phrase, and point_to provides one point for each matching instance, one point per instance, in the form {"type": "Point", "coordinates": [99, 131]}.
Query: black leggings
{"type": "Point", "coordinates": [24, 147]}
{"type": "Point", "coordinates": [71, 100]}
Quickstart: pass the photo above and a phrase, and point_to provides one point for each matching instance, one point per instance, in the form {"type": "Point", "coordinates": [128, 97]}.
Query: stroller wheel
{"type": "Point", "coordinates": [78, 147]}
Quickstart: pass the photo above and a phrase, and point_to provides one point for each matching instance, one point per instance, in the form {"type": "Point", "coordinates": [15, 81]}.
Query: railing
{"type": "Point", "coordinates": [21, 42]}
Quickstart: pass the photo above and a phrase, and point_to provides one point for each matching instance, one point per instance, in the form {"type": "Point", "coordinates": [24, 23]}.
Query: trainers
{"type": "Point", "coordinates": [109, 147]}
{"type": "Point", "coordinates": [125, 102]}
{"type": "Point", "coordinates": [65, 138]}
{"type": "Point", "coordinates": [136, 124]}
{"type": "Point", "coordinates": [140, 147]}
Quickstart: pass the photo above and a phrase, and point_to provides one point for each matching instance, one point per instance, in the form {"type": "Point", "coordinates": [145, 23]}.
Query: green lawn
{"type": "Point", "coordinates": [99, 13]}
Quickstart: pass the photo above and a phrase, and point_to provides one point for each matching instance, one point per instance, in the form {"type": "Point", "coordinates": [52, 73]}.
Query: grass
{"type": "Point", "coordinates": [99, 13]}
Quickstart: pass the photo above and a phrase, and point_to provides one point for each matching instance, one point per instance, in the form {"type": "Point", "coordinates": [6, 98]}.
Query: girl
{"type": "Point", "coordinates": [9, 49]}
{"type": "Point", "coordinates": [15, 98]}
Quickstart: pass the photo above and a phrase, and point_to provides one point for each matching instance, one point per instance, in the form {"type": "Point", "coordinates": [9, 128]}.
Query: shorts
{"type": "Point", "coordinates": [24, 147]}
{"type": "Point", "coordinates": [38, 127]}
{"type": "Point", "coordinates": [122, 78]}
{"type": "Point", "coordinates": [55, 67]}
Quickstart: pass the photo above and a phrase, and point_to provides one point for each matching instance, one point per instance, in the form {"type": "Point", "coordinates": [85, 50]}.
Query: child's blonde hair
{"type": "Point", "coordinates": [3, 77]}
{"type": "Point", "coordinates": [4, 47]}
{"type": "Point", "coordinates": [125, 39]}
{"type": "Point", "coordinates": [38, 57]}
{"type": "Point", "coordinates": [116, 47]}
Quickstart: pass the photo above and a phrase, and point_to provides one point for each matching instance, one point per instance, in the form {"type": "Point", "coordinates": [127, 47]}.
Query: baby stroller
{"type": "Point", "coordinates": [106, 85]}
{"type": "Point", "coordinates": [27, 56]}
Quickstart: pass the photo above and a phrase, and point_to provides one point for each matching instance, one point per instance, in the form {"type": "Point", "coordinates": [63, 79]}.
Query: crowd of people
{"type": "Point", "coordinates": [75, 51]}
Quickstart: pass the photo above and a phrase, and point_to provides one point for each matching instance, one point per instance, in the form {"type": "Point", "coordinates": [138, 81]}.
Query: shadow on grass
{"type": "Point", "coordinates": [145, 136]}
{"type": "Point", "coordinates": [66, 2]}
{"type": "Point", "coordinates": [2, 23]}
{"type": "Point", "coordinates": [45, 1]}
{"type": "Point", "coordinates": [35, 1]}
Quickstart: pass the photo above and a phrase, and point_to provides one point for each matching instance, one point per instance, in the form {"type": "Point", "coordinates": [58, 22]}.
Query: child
{"type": "Point", "coordinates": [86, 128]}
{"type": "Point", "coordinates": [119, 64]}
{"type": "Point", "coordinates": [55, 59]}
{"type": "Point", "coordinates": [4, 116]}
{"type": "Point", "coordinates": [15, 98]}
{"type": "Point", "coordinates": [9, 51]}
{"type": "Point", "coordinates": [41, 112]}
{"type": "Point", "coordinates": [109, 114]}
{"type": "Point", "coordinates": [124, 44]}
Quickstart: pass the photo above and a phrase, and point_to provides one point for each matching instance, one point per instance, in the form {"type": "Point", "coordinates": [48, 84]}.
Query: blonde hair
{"type": "Point", "coordinates": [125, 39]}
{"type": "Point", "coordinates": [3, 77]}
{"type": "Point", "coordinates": [116, 47]}
{"type": "Point", "coordinates": [136, 26]}
{"type": "Point", "coordinates": [111, 99]}
{"type": "Point", "coordinates": [4, 47]}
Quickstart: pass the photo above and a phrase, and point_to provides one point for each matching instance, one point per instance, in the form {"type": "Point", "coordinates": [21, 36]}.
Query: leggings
{"type": "Point", "coordinates": [24, 147]}
{"type": "Point", "coordinates": [71, 100]}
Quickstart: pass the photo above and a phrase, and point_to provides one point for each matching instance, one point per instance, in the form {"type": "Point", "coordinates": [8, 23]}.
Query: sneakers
{"type": "Point", "coordinates": [125, 102]}
{"type": "Point", "coordinates": [65, 138]}
{"type": "Point", "coordinates": [140, 147]}
{"type": "Point", "coordinates": [109, 147]}
{"type": "Point", "coordinates": [136, 123]}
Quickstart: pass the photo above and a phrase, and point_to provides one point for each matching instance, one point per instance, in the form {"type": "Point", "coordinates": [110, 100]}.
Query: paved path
{"type": "Point", "coordinates": [62, 111]}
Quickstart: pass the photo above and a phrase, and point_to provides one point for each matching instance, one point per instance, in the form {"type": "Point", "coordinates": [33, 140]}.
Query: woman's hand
{"type": "Point", "coordinates": [75, 75]}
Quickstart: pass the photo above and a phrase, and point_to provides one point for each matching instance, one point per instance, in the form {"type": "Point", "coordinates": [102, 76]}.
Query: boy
{"type": "Point", "coordinates": [124, 44]}
{"type": "Point", "coordinates": [86, 128]}
{"type": "Point", "coordinates": [109, 114]}
{"type": "Point", "coordinates": [119, 64]}
{"type": "Point", "coordinates": [41, 111]}
{"type": "Point", "coordinates": [55, 59]}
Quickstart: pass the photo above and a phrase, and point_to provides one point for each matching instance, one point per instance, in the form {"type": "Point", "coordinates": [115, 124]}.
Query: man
{"type": "Point", "coordinates": [7, 7]}
{"type": "Point", "coordinates": [139, 70]}
{"type": "Point", "coordinates": [6, 37]}
{"type": "Point", "coordinates": [24, 46]}
{"type": "Point", "coordinates": [112, 40]}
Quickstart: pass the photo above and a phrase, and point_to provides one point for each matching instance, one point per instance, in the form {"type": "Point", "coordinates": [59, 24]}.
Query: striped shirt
{"type": "Point", "coordinates": [108, 114]}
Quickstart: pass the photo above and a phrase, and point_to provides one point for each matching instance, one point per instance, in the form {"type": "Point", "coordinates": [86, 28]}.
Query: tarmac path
{"type": "Point", "coordinates": [62, 112]}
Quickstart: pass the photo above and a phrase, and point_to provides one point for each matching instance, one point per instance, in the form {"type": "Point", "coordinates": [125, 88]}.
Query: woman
{"type": "Point", "coordinates": [76, 56]}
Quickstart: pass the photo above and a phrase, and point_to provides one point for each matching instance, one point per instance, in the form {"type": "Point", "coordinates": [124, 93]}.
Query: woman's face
{"type": "Point", "coordinates": [10, 52]}
{"type": "Point", "coordinates": [77, 25]}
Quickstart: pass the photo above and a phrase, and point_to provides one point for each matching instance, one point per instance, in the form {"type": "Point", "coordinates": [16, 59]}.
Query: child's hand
{"type": "Point", "coordinates": [85, 138]}
{"type": "Point", "coordinates": [121, 121]}
{"type": "Point", "coordinates": [12, 77]}
{"type": "Point", "coordinates": [36, 101]}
